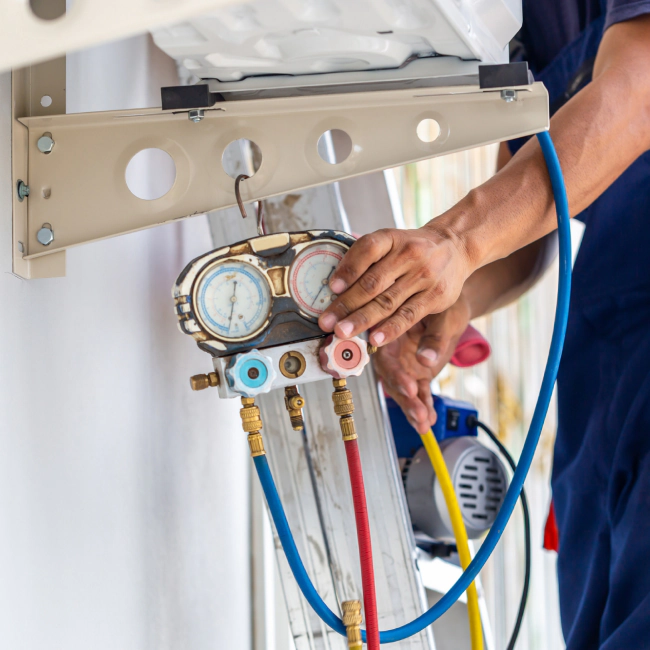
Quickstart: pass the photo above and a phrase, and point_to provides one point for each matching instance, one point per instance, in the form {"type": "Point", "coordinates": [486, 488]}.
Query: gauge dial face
{"type": "Point", "coordinates": [310, 274]}
{"type": "Point", "coordinates": [233, 299]}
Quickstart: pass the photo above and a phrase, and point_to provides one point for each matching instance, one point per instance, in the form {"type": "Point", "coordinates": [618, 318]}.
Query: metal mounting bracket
{"type": "Point", "coordinates": [80, 189]}
{"type": "Point", "coordinates": [37, 91]}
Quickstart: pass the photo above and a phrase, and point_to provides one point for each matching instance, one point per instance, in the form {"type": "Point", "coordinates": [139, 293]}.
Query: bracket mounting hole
{"type": "Point", "coordinates": [46, 101]}
{"type": "Point", "coordinates": [150, 174]}
{"type": "Point", "coordinates": [47, 9]}
{"type": "Point", "coordinates": [428, 130]}
{"type": "Point", "coordinates": [334, 146]}
{"type": "Point", "coordinates": [241, 156]}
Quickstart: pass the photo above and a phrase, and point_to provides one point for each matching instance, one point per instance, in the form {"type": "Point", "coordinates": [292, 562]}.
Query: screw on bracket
{"type": "Point", "coordinates": [196, 115]}
{"type": "Point", "coordinates": [23, 190]}
{"type": "Point", "coordinates": [45, 143]}
{"type": "Point", "coordinates": [45, 235]}
{"type": "Point", "coordinates": [509, 95]}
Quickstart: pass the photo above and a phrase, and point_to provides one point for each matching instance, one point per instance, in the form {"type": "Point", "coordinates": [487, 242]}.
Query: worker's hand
{"type": "Point", "coordinates": [407, 366]}
{"type": "Point", "coordinates": [395, 278]}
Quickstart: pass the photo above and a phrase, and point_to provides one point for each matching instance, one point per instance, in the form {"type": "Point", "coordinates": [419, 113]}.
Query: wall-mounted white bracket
{"type": "Point", "coordinates": [37, 91]}
{"type": "Point", "coordinates": [80, 189]}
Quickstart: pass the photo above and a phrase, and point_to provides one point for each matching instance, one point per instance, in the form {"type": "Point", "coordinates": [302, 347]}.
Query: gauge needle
{"type": "Point", "coordinates": [233, 300]}
{"type": "Point", "coordinates": [325, 282]}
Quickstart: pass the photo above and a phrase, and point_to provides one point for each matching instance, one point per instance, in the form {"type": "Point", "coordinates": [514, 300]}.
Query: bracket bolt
{"type": "Point", "coordinates": [23, 190]}
{"type": "Point", "coordinates": [45, 235]}
{"type": "Point", "coordinates": [509, 95]}
{"type": "Point", "coordinates": [45, 143]}
{"type": "Point", "coordinates": [196, 115]}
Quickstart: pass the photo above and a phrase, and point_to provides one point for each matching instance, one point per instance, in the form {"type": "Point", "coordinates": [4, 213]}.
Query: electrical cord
{"type": "Point", "coordinates": [524, 506]}
{"type": "Point", "coordinates": [460, 533]}
{"type": "Point", "coordinates": [525, 460]}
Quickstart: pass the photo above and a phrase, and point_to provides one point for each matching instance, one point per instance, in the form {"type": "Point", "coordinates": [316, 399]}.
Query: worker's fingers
{"type": "Point", "coordinates": [399, 384]}
{"type": "Point", "coordinates": [418, 409]}
{"type": "Point", "coordinates": [388, 363]}
{"type": "Point", "coordinates": [394, 277]}
{"type": "Point", "coordinates": [361, 256]}
{"type": "Point", "coordinates": [410, 312]}
{"type": "Point", "coordinates": [424, 393]}
{"type": "Point", "coordinates": [441, 334]}
{"type": "Point", "coordinates": [378, 309]}
{"type": "Point", "coordinates": [376, 280]}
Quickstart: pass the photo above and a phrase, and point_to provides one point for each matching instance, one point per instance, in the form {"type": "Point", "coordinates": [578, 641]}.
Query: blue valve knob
{"type": "Point", "coordinates": [250, 373]}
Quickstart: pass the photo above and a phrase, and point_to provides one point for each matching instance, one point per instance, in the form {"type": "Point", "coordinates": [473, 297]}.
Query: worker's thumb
{"type": "Point", "coordinates": [438, 341]}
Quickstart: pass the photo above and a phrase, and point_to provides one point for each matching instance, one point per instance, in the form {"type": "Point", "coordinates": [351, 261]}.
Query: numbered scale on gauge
{"type": "Point", "coordinates": [233, 299]}
{"type": "Point", "coordinates": [310, 275]}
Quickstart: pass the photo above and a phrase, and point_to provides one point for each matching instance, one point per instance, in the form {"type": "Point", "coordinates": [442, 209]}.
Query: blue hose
{"type": "Point", "coordinates": [289, 546]}
{"type": "Point", "coordinates": [525, 460]}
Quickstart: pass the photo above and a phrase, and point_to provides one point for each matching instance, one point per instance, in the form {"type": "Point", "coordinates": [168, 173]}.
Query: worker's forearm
{"type": "Point", "coordinates": [597, 134]}
{"type": "Point", "coordinates": [498, 284]}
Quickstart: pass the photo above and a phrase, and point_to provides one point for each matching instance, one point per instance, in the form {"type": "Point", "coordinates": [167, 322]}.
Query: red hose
{"type": "Point", "coordinates": [365, 545]}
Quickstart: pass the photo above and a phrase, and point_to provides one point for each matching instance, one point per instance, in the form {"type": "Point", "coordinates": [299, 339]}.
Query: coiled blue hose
{"type": "Point", "coordinates": [525, 460]}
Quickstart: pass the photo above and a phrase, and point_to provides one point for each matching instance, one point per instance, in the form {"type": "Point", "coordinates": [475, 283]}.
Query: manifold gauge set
{"type": "Point", "coordinates": [254, 306]}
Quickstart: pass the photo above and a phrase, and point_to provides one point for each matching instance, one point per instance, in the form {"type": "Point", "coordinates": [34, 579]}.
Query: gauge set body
{"type": "Point", "coordinates": [259, 299]}
{"type": "Point", "coordinates": [262, 292]}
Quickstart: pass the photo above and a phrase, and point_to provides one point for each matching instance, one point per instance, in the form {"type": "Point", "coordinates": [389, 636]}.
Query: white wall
{"type": "Point", "coordinates": [124, 517]}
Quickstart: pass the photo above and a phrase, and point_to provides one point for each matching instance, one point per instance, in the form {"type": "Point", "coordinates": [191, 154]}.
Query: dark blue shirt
{"type": "Point", "coordinates": [550, 25]}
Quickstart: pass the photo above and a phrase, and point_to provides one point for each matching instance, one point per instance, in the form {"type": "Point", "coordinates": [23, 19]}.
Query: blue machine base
{"type": "Point", "coordinates": [452, 422]}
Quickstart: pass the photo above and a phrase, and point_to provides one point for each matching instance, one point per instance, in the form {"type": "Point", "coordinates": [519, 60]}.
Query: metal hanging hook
{"type": "Point", "coordinates": [242, 209]}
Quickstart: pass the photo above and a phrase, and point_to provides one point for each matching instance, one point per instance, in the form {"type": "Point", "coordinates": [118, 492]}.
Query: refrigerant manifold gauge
{"type": "Point", "coordinates": [263, 292]}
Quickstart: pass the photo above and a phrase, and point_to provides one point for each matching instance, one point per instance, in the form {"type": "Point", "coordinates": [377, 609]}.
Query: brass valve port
{"type": "Point", "coordinates": [251, 421]}
{"type": "Point", "coordinates": [344, 407]}
{"type": "Point", "coordinates": [201, 382]}
{"type": "Point", "coordinates": [294, 402]}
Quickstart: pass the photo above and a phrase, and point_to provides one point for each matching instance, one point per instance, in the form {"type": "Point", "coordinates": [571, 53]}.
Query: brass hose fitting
{"type": "Point", "coordinates": [251, 421]}
{"type": "Point", "coordinates": [372, 349]}
{"type": "Point", "coordinates": [201, 382]}
{"type": "Point", "coordinates": [294, 402]}
{"type": "Point", "coordinates": [352, 622]}
{"type": "Point", "coordinates": [344, 407]}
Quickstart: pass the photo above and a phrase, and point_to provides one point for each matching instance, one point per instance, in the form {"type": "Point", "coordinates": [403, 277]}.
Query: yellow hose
{"type": "Point", "coordinates": [460, 533]}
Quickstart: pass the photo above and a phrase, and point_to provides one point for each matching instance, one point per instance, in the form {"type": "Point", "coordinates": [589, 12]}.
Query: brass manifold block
{"type": "Point", "coordinates": [251, 421]}
{"type": "Point", "coordinates": [344, 407]}
{"type": "Point", "coordinates": [352, 622]}
{"type": "Point", "coordinates": [294, 403]}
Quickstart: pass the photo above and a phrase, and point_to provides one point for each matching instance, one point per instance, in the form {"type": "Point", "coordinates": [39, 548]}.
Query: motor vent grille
{"type": "Point", "coordinates": [480, 483]}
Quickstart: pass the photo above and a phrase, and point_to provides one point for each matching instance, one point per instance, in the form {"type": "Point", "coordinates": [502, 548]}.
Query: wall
{"type": "Point", "coordinates": [124, 517]}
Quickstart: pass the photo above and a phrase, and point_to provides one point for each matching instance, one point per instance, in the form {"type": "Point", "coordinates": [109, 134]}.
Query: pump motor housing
{"type": "Point", "coordinates": [479, 479]}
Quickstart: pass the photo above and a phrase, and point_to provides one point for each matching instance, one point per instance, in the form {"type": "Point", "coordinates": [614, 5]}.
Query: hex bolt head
{"type": "Point", "coordinates": [45, 235]}
{"type": "Point", "coordinates": [45, 143]}
{"type": "Point", "coordinates": [196, 115]}
{"type": "Point", "coordinates": [23, 190]}
{"type": "Point", "coordinates": [509, 95]}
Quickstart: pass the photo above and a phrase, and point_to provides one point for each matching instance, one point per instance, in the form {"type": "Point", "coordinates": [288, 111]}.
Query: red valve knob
{"type": "Point", "coordinates": [344, 358]}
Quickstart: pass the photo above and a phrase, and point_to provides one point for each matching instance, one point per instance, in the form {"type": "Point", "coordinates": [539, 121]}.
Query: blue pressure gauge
{"type": "Point", "coordinates": [233, 299]}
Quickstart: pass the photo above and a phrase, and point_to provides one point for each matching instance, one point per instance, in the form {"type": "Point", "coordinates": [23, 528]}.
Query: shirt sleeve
{"type": "Point", "coordinates": [620, 10]}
